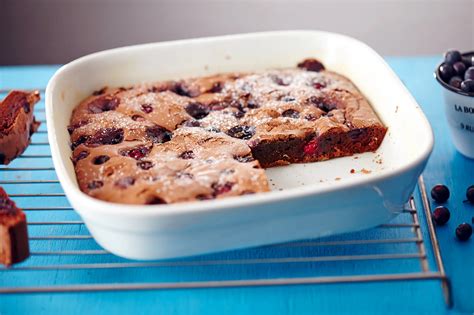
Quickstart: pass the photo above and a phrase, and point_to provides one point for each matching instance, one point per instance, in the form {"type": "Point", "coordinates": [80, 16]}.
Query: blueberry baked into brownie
{"type": "Point", "coordinates": [211, 137]}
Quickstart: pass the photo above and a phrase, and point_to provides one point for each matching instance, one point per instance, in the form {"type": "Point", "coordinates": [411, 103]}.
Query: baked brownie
{"type": "Point", "coordinates": [17, 123]}
{"type": "Point", "coordinates": [193, 164]}
{"type": "Point", "coordinates": [218, 130]}
{"type": "Point", "coordinates": [294, 115]}
{"type": "Point", "coordinates": [14, 246]}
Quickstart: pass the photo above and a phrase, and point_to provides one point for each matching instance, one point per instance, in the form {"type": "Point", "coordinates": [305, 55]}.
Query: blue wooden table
{"type": "Point", "coordinates": [423, 296]}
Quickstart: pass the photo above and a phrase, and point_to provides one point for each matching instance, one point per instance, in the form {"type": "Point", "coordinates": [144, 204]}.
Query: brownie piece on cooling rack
{"type": "Point", "coordinates": [17, 123]}
{"type": "Point", "coordinates": [14, 246]}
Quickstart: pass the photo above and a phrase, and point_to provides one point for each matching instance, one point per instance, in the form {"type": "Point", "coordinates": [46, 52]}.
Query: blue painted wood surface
{"type": "Point", "coordinates": [445, 166]}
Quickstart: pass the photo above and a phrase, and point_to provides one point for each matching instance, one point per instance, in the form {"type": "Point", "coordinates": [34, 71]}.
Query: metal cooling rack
{"type": "Point", "coordinates": [69, 260]}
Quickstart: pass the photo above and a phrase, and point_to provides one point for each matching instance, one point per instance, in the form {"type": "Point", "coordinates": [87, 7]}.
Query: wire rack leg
{"type": "Point", "coordinates": [445, 283]}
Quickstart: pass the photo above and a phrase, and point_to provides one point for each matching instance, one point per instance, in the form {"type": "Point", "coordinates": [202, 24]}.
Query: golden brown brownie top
{"type": "Point", "coordinates": [192, 139]}
{"type": "Point", "coordinates": [194, 164]}
{"type": "Point", "coordinates": [271, 103]}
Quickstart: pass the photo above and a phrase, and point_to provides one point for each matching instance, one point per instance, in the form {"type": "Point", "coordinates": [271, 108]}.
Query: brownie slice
{"type": "Point", "coordinates": [295, 116]}
{"type": "Point", "coordinates": [17, 123]}
{"type": "Point", "coordinates": [14, 246]}
{"type": "Point", "coordinates": [194, 164]}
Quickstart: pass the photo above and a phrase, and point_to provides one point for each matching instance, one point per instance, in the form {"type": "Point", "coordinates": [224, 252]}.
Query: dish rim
{"type": "Point", "coordinates": [73, 192]}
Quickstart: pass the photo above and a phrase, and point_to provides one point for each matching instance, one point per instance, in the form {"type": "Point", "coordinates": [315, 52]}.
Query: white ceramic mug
{"type": "Point", "coordinates": [459, 110]}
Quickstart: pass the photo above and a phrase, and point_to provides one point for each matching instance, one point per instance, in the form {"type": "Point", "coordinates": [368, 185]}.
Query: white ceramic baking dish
{"type": "Point", "coordinates": [307, 201]}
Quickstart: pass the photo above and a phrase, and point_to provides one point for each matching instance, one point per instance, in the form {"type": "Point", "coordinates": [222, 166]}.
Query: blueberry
{"type": "Point", "coordinates": [95, 184]}
{"type": "Point", "coordinates": [73, 127]}
{"type": "Point", "coordinates": [446, 71]}
{"type": "Point", "coordinates": [101, 159]}
{"type": "Point", "coordinates": [469, 74]}
{"type": "Point", "coordinates": [464, 231]}
{"type": "Point", "coordinates": [455, 82]}
{"type": "Point", "coordinates": [99, 92]}
{"type": "Point", "coordinates": [252, 104]}
{"type": "Point", "coordinates": [124, 182]}
{"type": "Point", "coordinates": [441, 215]}
{"type": "Point", "coordinates": [440, 193]}
{"type": "Point", "coordinates": [279, 81]}
{"type": "Point", "coordinates": [470, 194]}
{"type": "Point", "coordinates": [288, 99]}
{"type": "Point", "coordinates": [182, 90]}
{"type": "Point", "coordinates": [105, 136]}
{"type": "Point", "coordinates": [80, 156]}
{"type": "Point", "coordinates": [145, 165]}
{"type": "Point", "coordinates": [236, 104]}
{"type": "Point", "coordinates": [220, 189]}
{"type": "Point", "coordinates": [187, 155]}
{"type": "Point", "coordinates": [197, 110]}
{"type": "Point", "coordinates": [239, 114]}
{"type": "Point", "coordinates": [155, 200]}
{"type": "Point", "coordinates": [212, 129]}
{"type": "Point", "coordinates": [452, 56]}
{"type": "Point", "coordinates": [79, 141]}
{"type": "Point", "coordinates": [322, 103]}
{"type": "Point", "coordinates": [310, 117]}
{"type": "Point", "coordinates": [158, 134]}
{"type": "Point", "coordinates": [137, 118]}
{"type": "Point", "coordinates": [468, 60]}
{"type": "Point", "coordinates": [241, 132]}
{"type": "Point", "coordinates": [357, 133]}
{"type": "Point", "coordinates": [291, 113]}
{"type": "Point", "coordinates": [103, 104]}
{"type": "Point", "coordinates": [467, 85]}
{"type": "Point", "coordinates": [459, 67]}
{"type": "Point", "coordinates": [311, 65]}
{"type": "Point", "coordinates": [147, 108]}
{"type": "Point", "coordinates": [192, 123]}
{"type": "Point", "coordinates": [216, 87]}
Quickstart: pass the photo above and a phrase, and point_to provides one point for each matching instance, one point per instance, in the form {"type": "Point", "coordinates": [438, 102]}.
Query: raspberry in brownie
{"type": "Point", "coordinates": [205, 138]}
{"type": "Point", "coordinates": [14, 246]}
{"type": "Point", "coordinates": [17, 123]}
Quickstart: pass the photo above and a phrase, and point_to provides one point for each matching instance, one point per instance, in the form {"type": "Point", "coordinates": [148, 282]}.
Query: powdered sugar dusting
{"type": "Point", "coordinates": [191, 139]}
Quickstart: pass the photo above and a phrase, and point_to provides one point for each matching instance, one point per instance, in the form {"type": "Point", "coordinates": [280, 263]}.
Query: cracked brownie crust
{"type": "Point", "coordinates": [209, 137]}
